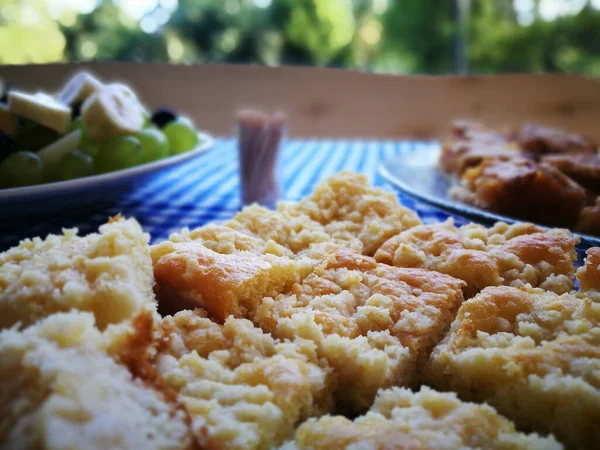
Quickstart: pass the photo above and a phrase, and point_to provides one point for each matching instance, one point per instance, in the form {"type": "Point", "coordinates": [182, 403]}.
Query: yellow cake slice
{"type": "Point", "coordinates": [60, 390]}
{"type": "Point", "coordinates": [189, 274]}
{"type": "Point", "coordinates": [533, 355]}
{"type": "Point", "coordinates": [400, 419]}
{"type": "Point", "coordinates": [241, 388]}
{"type": "Point", "coordinates": [512, 255]}
{"type": "Point", "coordinates": [108, 274]}
{"type": "Point", "coordinates": [373, 323]}
{"type": "Point", "coordinates": [347, 206]}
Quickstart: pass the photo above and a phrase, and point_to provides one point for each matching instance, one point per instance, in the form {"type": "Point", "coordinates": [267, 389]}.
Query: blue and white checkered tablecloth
{"type": "Point", "coordinates": [207, 188]}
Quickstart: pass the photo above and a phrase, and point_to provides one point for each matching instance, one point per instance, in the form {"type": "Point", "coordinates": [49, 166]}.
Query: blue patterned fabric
{"type": "Point", "coordinates": [207, 188]}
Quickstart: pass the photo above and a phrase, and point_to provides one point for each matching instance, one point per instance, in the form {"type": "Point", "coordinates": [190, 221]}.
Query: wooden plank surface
{"type": "Point", "coordinates": [338, 103]}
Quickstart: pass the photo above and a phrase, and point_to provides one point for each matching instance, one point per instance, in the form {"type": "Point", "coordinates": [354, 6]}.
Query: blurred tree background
{"type": "Point", "coordinates": [398, 36]}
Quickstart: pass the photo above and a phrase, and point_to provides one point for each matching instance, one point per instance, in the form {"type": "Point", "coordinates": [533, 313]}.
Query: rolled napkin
{"type": "Point", "coordinates": [259, 137]}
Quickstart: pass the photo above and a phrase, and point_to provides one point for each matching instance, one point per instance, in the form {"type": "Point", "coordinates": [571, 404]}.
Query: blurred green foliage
{"type": "Point", "coordinates": [400, 36]}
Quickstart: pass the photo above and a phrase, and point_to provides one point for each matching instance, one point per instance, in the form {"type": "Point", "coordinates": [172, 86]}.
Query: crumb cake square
{"type": "Point", "coordinates": [533, 355]}
{"type": "Point", "coordinates": [189, 274]}
{"type": "Point", "coordinates": [296, 232]}
{"type": "Point", "coordinates": [241, 388]}
{"type": "Point", "coordinates": [373, 323]}
{"type": "Point", "coordinates": [401, 419]}
{"type": "Point", "coordinates": [60, 390]}
{"type": "Point", "coordinates": [512, 255]}
{"type": "Point", "coordinates": [347, 205]}
{"type": "Point", "coordinates": [107, 273]}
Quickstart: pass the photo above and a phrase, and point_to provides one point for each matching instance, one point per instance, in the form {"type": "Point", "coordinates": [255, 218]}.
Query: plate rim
{"type": "Point", "coordinates": [463, 209]}
{"type": "Point", "coordinates": [206, 142]}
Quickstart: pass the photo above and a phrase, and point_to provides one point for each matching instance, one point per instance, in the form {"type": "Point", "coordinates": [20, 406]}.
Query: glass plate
{"type": "Point", "coordinates": [416, 173]}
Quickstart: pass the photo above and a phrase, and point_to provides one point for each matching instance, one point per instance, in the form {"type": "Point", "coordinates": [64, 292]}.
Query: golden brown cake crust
{"type": "Point", "coordinates": [533, 355]}
{"type": "Point", "coordinates": [224, 284]}
{"type": "Point", "coordinates": [228, 269]}
{"type": "Point", "coordinates": [372, 322]}
{"type": "Point", "coordinates": [513, 255]}
{"type": "Point", "coordinates": [294, 231]}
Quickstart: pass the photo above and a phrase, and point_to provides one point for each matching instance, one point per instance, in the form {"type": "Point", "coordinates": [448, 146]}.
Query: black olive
{"type": "Point", "coordinates": [76, 110]}
{"type": "Point", "coordinates": [163, 116]}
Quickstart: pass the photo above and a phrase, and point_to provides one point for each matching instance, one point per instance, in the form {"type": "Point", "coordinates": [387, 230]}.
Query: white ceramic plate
{"type": "Point", "coordinates": [416, 173]}
{"type": "Point", "coordinates": [84, 193]}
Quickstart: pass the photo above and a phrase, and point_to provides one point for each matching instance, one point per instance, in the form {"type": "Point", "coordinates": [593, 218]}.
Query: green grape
{"type": "Point", "coordinates": [119, 153]}
{"type": "Point", "coordinates": [181, 134]}
{"type": "Point", "coordinates": [154, 145]}
{"type": "Point", "coordinates": [88, 145]}
{"type": "Point", "coordinates": [77, 124]}
{"type": "Point", "coordinates": [21, 169]}
{"type": "Point", "coordinates": [147, 119]}
{"type": "Point", "coordinates": [75, 164]}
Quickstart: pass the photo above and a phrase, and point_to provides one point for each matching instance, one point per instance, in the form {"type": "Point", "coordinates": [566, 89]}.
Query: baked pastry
{"type": "Point", "coordinates": [59, 389]}
{"type": "Point", "coordinates": [584, 168]}
{"type": "Point", "coordinates": [531, 354]}
{"type": "Point", "coordinates": [346, 205]}
{"type": "Point", "coordinates": [298, 234]}
{"type": "Point", "coordinates": [536, 173]}
{"type": "Point", "coordinates": [471, 143]}
{"type": "Point", "coordinates": [373, 323]}
{"type": "Point", "coordinates": [524, 190]}
{"type": "Point", "coordinates": [108, 274]}
{"type": "Point", "coordinates": [401, 419]}
{"type": "Point", "coordinates": [589, 219]}
{"type": "Point", "coordinates": [512, 255]}
{"type": "Point", "coordinates": [242, 388]}
{"type": "Point", "coordinates": [538, 139]}
{"type": "Point", "coordinates": [190, 275]}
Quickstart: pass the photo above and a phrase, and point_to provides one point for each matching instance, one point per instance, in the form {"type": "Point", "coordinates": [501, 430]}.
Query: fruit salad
{"type": "Point", "coordinates": [89, 127]}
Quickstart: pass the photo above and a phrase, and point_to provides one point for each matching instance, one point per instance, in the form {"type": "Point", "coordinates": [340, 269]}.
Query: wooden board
{"type": "Point", "coordinates": [339, 103]}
